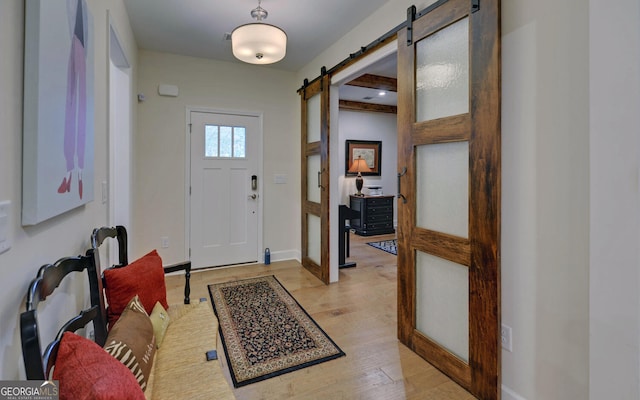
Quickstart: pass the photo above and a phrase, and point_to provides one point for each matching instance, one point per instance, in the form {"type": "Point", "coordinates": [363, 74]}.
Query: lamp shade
{"type": "Point", "coordinates": [359, 165]}
{"type": "Point", "coordinates": [259, 43]}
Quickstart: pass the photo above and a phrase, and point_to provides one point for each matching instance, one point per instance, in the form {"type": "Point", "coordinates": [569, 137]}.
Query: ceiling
{"type": "Point", "coordinates": [199, 28]}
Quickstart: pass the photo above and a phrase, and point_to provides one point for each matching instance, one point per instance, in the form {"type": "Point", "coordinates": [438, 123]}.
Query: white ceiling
{"type": "Point", "coordinates": [386, 67]}
{"type": "Point", "coordinates": [197, 27]}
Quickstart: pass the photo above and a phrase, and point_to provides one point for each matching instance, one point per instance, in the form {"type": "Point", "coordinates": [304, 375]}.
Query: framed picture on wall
{"type": "Point", "coordinates": [369, 150]}
{"type": "Point", "coordinates": [58, 141]}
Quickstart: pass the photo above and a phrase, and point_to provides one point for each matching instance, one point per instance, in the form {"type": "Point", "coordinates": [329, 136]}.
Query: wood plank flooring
{"type": "Point", "coordinates": [359, 314]}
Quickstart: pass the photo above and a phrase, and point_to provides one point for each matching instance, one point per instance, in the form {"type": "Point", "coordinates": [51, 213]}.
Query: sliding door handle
{"type": "Point", "coordinates": [320, 179]}
{"type": "Point", "coordinates": [400, 175]}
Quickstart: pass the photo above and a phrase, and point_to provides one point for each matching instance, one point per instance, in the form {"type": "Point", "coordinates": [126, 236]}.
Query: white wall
{"type": "Point", "coordinates": [545, 178]}
{"type": "Point", "coordinates": [390, 15]}
{"type": "Point", "coordinates": [545, 214]}
{"type": "Point", "coordinates": [614, 308]}
{"type": "Point", "coordinates": [160, 146]}
{"type": "Point", "coordinates": [64, 235]}
{"type": "Point", "coordinates": [355, 125]}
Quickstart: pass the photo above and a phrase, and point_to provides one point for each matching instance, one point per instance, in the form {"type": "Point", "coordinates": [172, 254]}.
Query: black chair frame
{"type": "Point", "coordinates": [119, 232]}
{"type": "Point", "coordinates": [38, 364]}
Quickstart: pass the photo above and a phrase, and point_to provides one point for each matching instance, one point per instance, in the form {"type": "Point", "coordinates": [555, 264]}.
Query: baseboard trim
{"type": "Point", "coordinates": [284, 255]}
{"type": "Point", "coordinates": [509, 394]}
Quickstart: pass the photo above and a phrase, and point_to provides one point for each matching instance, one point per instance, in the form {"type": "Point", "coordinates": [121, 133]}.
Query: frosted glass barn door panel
{"type": "Point", "coordinates": [442, 291]}
{"type": "Point", "coordinates": [314, 176]}
{"type": "Point", "coordinates": [314, 234]}
{"type": "Point", "coordinates": [313, 187]}
{"type": "Point", "coordinates": [442, 73]}
{"type": "Point", "coordinates": [442, 183]}
{"type": "Point", "coordinates": [313, 119]}
{"type": "Point", "coordinates": [449, 180]}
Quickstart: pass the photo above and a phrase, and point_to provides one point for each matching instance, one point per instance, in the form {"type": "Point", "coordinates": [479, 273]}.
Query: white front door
{"type": "Point", "coordinates": [224, 202]}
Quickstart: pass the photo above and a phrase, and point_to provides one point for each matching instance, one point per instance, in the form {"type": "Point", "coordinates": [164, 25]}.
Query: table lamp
{"type": "Point", "coordinates": [359, 165]}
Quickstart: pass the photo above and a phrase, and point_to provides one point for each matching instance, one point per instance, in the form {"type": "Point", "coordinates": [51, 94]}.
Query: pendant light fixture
{"type": "Point", "coordinates": [257, 42]}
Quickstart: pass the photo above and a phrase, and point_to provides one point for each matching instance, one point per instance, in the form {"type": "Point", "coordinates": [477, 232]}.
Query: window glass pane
{"type": "Point", "coordinates": [442, 73]}
{"type": "Point", "coordinates": [239, 148]}
{"type": "Point", "coordinates": [211, 141]}
{"type": "Point", "coordinates": [226, 138]}
{"type": "Point", "coordinates": [313, 119]}
{"type": "Point", "coordinates": [442, 187]}
{"type": "Point", "coordinates": [442, 302]}
{"type": "Point", "coordinates": [314, 165]}
{"type": "Point", "coordinates": [314, 235]}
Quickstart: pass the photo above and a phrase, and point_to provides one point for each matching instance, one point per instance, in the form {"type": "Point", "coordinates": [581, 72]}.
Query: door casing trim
{"type": "Point", "coordinates": [187, 169]}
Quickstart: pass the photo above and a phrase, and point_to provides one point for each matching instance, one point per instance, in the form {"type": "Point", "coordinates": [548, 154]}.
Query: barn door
{"type": "Point", "coordinates": [449, 190]}
{"type": "Point", "coordinates": [315, 177]}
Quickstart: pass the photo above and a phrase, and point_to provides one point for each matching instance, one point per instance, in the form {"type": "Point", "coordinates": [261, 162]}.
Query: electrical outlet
{"type": "Point", "coordinates": [505, 337]}
{"type": "Point", "coordinates": [164, 242]}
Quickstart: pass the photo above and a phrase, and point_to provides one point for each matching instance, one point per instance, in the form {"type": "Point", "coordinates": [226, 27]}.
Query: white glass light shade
{"type": "Point", "coordinates": [259, 43]}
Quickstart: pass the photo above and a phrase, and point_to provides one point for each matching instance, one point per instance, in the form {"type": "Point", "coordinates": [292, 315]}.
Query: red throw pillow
{"type": "Point", "coordinates": [143, 277]}
{"type": "Point", "coordinates": [85, 371]}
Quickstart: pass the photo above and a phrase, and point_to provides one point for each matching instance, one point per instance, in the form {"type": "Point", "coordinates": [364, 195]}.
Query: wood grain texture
{"type": "Point", "coordinates": [349, 105]}
{"type": "Point", "coordinates": [442, 130]}
{"type": "Point", "coordinates": [319, 87]}
{"type": "Point", "coordinates": [442, 245]}
{"type": "Point", "coordinates": [325, 134]}
{"type": "Point", "coordinates": [433, 351]}
{"type": "Point", "coordinates": [359, 314]}
{"type": "Point", "coordinates": [481, 127]}
{"type": "Point", "coordinates": [484, 205]}
{"type": "Point", "coordinates": [405, 213]}
{"type": "Point", "coordinates": [371, 81]}
{"type": "Point", "coordinates": [441, 17]}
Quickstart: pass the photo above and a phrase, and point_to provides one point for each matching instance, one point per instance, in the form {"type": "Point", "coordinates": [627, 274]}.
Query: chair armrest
{"type": "Point", "coordinates": [186, 267]}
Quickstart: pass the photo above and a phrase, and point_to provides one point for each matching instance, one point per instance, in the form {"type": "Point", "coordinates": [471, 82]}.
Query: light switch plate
{"type": "Point", "coordinates": [279, 179]}
{"type": "Point", "coordinates": [5, 212]}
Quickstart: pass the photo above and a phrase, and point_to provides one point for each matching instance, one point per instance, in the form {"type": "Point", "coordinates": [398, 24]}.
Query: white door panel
{"type": "Point", "coordinates": [224, 205]}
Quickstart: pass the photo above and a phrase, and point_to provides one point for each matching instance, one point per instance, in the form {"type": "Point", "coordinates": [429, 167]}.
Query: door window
{"type": "Point", "coordinates": [225, 141]}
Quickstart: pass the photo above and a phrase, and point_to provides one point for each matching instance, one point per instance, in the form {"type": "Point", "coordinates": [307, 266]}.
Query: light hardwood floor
{"type": "Point", "coordinates": [359, 314]}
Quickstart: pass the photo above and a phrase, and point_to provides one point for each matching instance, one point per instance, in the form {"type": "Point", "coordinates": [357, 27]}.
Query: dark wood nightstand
{"type": "Point", "coordinates": [376, 215]}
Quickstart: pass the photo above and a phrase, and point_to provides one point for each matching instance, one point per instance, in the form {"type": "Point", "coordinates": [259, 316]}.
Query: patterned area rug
{"type": "Point", "coordinates": [265, 332]}
{"type": "Point", "coordinates": [390, 246]}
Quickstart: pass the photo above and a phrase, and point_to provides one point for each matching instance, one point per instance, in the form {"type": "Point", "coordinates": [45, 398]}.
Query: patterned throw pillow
{"type": "Point", "coordinates": [160, 321]}
{"type": "Point", "coordinates": [131, 340]}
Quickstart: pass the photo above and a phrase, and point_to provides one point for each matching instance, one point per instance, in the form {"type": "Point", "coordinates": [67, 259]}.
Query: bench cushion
{"type": "Point", "coordinates": [181, 370]}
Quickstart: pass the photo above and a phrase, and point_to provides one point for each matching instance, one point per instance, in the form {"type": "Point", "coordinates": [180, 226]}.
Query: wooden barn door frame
{"type": "Point", "coordinates": [479, 251]}
{"type": "Point", "coordinates": [319, 87]}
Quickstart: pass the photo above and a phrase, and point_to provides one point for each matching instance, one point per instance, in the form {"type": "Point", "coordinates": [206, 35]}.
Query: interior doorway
{"type": "Point", "coordinates": [117, 190]}
{"type": "Point", "coordinates": [380, 63]}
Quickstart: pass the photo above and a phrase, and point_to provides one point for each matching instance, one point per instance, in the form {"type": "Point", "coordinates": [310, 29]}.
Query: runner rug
{"type": "Point", "coordinates": [265, 332]}
{"type": "Point", "coordinates": [390, 246]}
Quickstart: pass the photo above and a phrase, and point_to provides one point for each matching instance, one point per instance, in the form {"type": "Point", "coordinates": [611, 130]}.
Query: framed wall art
{"type": "Point", "coordinates": [58, 120]}
{"type": "Point", "coordinates": [368, 150]}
